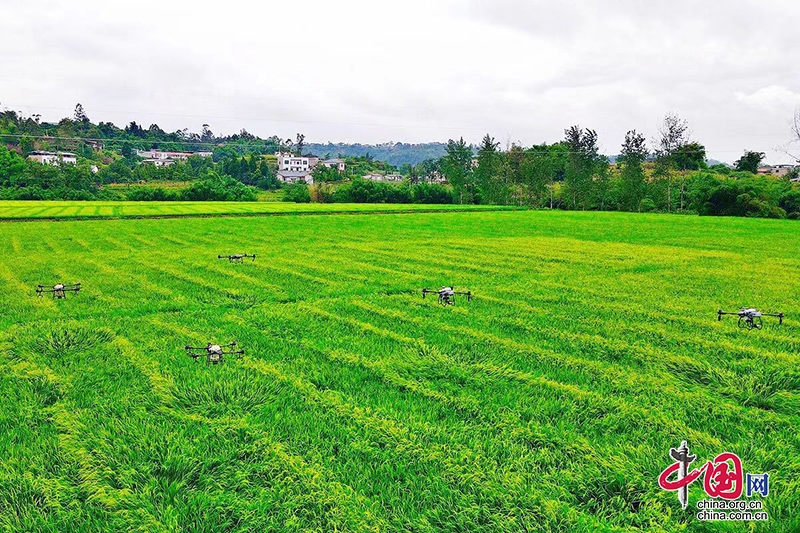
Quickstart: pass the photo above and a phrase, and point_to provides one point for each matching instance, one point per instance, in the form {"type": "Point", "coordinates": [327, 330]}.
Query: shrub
{"type": "Point", "coordinates": [150, 194]}
{"type": "Point", "coordinates": [431, 193]}
{"type": "Point", "coordinates": [647, 205]}
{"type": "Point", "coordinates": [297, 193]}
{"type": "Point", "coordinates": [221, 188]}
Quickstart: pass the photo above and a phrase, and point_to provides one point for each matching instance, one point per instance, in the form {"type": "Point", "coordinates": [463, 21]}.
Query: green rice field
{"type": "Point", "coordinates": [549, 402]}
{"type": "Point", "coordinates": [21, 210]}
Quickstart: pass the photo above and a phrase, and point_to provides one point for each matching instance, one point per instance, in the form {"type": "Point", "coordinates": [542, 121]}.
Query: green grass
{"type": "Point", "coordinates": [22, 210]}
{"type": "Point", "coordinates": [548, 403]}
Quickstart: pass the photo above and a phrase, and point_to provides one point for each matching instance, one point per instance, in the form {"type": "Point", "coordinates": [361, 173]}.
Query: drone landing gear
{"type": "Point", "coordinates": [750, 322]}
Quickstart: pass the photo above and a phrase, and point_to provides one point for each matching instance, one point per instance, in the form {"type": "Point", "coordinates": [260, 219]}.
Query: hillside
{"type": "Point", "coordinates": [394, 153]}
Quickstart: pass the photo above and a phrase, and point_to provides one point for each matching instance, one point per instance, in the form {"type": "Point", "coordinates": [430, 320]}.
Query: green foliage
{"type": "Point", "coordinates": [584, 164]}
{"type": "Point", "coordinates": [297, 193]}
{"type": "Point", "coordinates": [323, 174]}
{"type": "Point", "coordinates": [690, 156]}
{"type": "Point", "coordinates": [753, 196]}
{"type": "Point", "coordinates": [366, 191]}
{"type": "Point", "coordinates": [431, 193]}
{"type": "Point", "coordinates": [750, 161]}
{"type": "Point", "coordinates": [219, 187]}
{"type": "Point", "coordinates": [633, 155]}
{"type": "Point", "coordinates": [489, 187]}
{"type": "Point", "coordinates": [457, 168]}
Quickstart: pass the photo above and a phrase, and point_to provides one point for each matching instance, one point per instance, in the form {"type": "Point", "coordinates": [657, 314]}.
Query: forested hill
{"type": "Point", "coordinates": [393, 153]}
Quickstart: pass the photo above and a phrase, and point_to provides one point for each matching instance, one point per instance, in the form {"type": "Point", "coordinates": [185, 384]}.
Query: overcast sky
{"type": "Point", "coordinates": [413, 70]}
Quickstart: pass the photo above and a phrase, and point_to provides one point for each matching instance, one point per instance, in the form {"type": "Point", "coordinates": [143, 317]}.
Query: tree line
{"type": "Point", "coordinates": [667, 174]}
{"type": "Point", "coordinates": [671, 177]}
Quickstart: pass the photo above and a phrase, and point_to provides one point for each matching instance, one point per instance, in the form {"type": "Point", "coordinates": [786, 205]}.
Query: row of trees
{"type": "Point", "coordinates": [365, 191]}
{"type": "Point", "coordinates": [573, 174]}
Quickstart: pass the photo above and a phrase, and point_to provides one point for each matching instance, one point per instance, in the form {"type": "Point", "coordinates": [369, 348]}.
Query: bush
{"type": "Point", "coordinates": [342, 195]}
{"type": "Point", "coordinates": [647, 205]}
{"type": "Point", "coordinates": [790, 202]}
{"type": "Point", "coordinates": [368, 192]}
{"type": "Point", "coordinates": [297, 193]}
{"type": "Point", "coordinates": [743, 197]}
{"type": "Point", "coordinates": [398, 194]}
{"type": "Point", "coordinates": [150, 194]}
{"type": "Point", "coordinates": [431, 193]}
{"type": "Point", "coordinates": [219, 188]}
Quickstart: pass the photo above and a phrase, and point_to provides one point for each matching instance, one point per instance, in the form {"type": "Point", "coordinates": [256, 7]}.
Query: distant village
{"type": "Point", "coordinates": [292, 168]}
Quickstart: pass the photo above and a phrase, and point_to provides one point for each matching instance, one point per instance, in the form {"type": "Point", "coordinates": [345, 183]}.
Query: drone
{"type": "Point", "coordinates": [750, 317]}
{"type": "Point", "coordinates": [237, 258]}
{"type": "Point", "coordinates": [212, 352]}
{"type": "Point", "coordinates": [447, 295]}
{"type": "Point", "coordinates": [59, 290]}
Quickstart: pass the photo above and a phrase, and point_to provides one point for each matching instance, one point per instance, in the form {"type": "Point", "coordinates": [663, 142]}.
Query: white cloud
{"type": "Point", "coordinates": [772, 98]}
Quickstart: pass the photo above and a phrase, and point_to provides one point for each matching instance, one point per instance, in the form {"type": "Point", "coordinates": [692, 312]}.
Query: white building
{"type": "Point", "coordinates": [53, 158]}
{"type": "Point", "coordinates": [376, 176]}
{"type": "Point", "coordinates": [437, 177]}
{"type": "Point", "coordinates": [294, 176]}
{"type": "Point", "coordinates": [334, 163]}
{"type": "Point", "coordinates": [295, 163]}
{"type": "Point", "coordinates": [174, 156]}
{"type": "Point", "coordinates": [158, 162]}
{"type": "Point", "coordinates": [775, 170]}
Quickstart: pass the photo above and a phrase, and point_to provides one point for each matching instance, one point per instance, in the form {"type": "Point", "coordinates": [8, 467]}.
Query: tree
{"type": "Point", "coordinates": [750, 161]}
{"type": "Point", "coordinates": [206, 135]}
{"type": "Point", "coordinates": [541, 166]}
{"type": "Point", "coordinates": [674, 134]}
{"type": "Point", "coordinates": [486, 173]}
{"type": "Point", "coordinates": [80, 115]}
{"type": "Point", "coordinates": [26, 144]}
{"type": "Point", "coordinates": [457, 168]}
{"type": "Point", "coordinates": [322, 174]}
{"type": "Point", "coordinates": [690, 156]}
{"type": "Point", "coordinates": [510, 174]}
{"type": "Point", "coordinates": [583, 163]}
{"type": "Point", "coordinates": [634, 154]}
{"type": "Point", "coordinates": [134, 129]}
{"type": "Point", "coordinates": [300, 144]}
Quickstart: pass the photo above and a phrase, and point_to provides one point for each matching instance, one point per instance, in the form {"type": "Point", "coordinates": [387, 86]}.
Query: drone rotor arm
{"type": "Point", "coordinates": [779, 316]}
{"type": "Point", "coordinates": [194, 347]}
